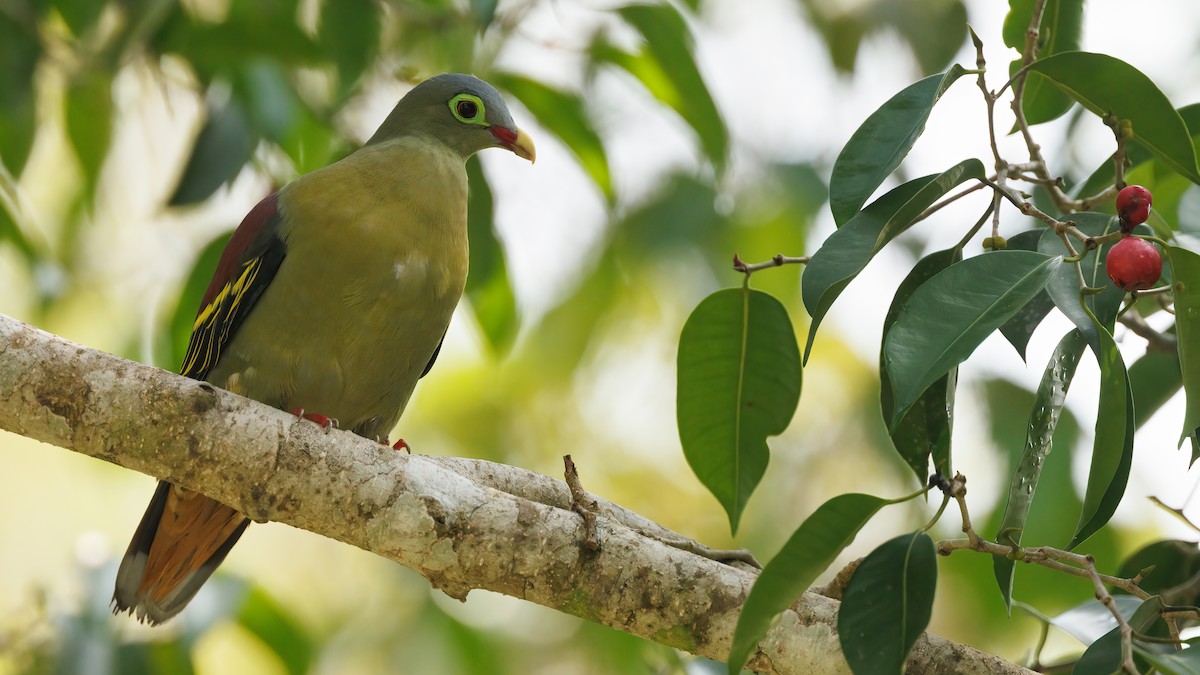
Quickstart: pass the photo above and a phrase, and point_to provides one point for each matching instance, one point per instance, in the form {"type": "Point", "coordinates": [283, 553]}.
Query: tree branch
{"type": "Point", "coordinates": [462, 524]}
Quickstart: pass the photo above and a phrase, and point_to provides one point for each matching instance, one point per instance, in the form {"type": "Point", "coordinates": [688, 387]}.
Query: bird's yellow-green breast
{"type": "Point", "coordinates": [376, 262]}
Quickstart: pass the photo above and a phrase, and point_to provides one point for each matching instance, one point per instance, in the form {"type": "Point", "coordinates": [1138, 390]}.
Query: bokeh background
{"type": "Point", "coordinates": [134, 134]}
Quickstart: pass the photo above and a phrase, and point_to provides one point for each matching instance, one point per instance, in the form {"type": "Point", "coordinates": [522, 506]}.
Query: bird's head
{"type": "Point", "coordinates": [461, 111]}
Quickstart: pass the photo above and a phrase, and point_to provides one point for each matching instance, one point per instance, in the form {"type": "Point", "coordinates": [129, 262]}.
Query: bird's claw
{"type": "Point", "coordinates": [399, 445]}
{"type": "Point", "coordinates": [318, 418]}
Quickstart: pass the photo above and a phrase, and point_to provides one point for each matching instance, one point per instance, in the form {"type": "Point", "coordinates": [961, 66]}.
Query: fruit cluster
{"type": "Point", "coordinates": [1133, 263]}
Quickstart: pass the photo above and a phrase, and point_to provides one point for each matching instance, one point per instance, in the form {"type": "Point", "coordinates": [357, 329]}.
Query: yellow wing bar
{"type": "Point", "coordinates": [212, 328]}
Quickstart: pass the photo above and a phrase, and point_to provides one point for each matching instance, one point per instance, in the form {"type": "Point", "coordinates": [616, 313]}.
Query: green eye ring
{"type": "Point", "coordinates": [469, 109]}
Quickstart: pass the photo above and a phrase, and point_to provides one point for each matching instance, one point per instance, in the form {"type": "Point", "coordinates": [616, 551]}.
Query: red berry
{"type": "Point", "coordinates": [1133, 205]}
{"type": "Point", "coordinates": [1133, 264]}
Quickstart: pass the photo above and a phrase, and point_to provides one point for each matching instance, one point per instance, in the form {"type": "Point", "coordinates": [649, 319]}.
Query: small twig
{"type": "Point", "coordinates": [724, 555]}
{"type": "Point", "coordinates": [1182, 592]}
{"type": "Point", "coordinates": [1105, 195]}
{"type": "Point", "coordinates": [1042, 556]}
{"type": "Point", "coordinates": [1121, 132]}
{"type": "Point", "coordinates": [1159, 290]}
{"type": "Point", "coordinates": [1046, 557]}
{"type": "Point", "coordinates": [1037, 162]}
{"type": "Point", "coordinates": [778, 261]}
{"type": "Point", "coordinates": [1031, 34]}
{"type": "Point", "coordinates": [1035, 660]}
{"type": "Point", "coordinates": [1075, 564]}
{"type": "Point", "coordinates": [1028, 209]}
{"type": "Point", "coordinates": [1001, 179]}
{"type": "Point", "coordinates": [946, 202]}
{"type": "Point", "coordinates": [937, 516]}
{"type": "Point", "coordinates": [1142, 637]}
{"type": "Point", "coordinates": [957, 490]}
{"type": "Point", "coordinates": [583, 504]}
{"type": "Point", "coordinates": [1178, 513]}
{"type": "Point", "coordinates": [837, 585]}
{"type": "Point", "coordinates": [1155, 341]}
{"type": "Point", "coordinates": [1036, 180]}
{"type": "Point", "coordinates": [587, 507]}
{"type": "Point", "coordinates": [1189, 613]}
{"type": "Point", "coordinates": [1105, 599]}
{"type": "Point", "coordinates": [978, 224]}
{"type": "Point", "coordinates": [989, 98]}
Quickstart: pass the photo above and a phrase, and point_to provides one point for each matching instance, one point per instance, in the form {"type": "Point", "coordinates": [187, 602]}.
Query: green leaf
{"type": "Point", "coordinates": [882, 142]}
{"type": "Point", "coordinates": [947, 317]}
{"type": "Point", "coordinates": [1112, 450]}
{"type": "Point", "coordinates": [312, 142]}
{"type": "Point", "coordinates": [934, 29]}
{"type": "Point", "coordinates": [1064, 286]}
{"type": "Point", "coordinates": [1104, 655]}
{"type": "Point", "coordinates": [1154, 378]}
{"type": "Point", "coordinates": [1174, 563]}
{"type": "Point", "coordinates": [1019, 329]}
{"type": "Point", "coordinates": [265, 618]}
{"type": "Point", "coordinates": [484, 12]}
{"type": "Point", "coordinates": [565, 115]}
{"type": "Point", "coordinates": [1139, 158]}
{"type": "Point", "coordinates": [11, 231]}
{"type": "Point", "coordinates": [488, 287]}
{"type": "Point", "coordinates": [848, 250]}
{"type": "Point", "coordinates": [79, 15]}
{"type": "Point", "coordinates": [89, 120]}
{"type": "Point", "coordinates": [668, 70]}
{"type": "Point", "coordinates": [250, 30]}
{"type": "Point", "coordinates": [223, 147]}
{"type": "Point", "coordinates": [270, 100]}
{"type": "Point", "coordinates": [348, 30]}
{"type": "Point", "coordinates": [1186, 662]}
{"type": "Point", "coordinates": [679, 215]}
{"type": "Point", "coordinates": [1108, 86]}
{"type": "Point", "coordinates": [738, 383]}
{"type": "Point", "coordinates": [925, 429]}
{"type": "Point", "coordinates": [887, 604]}
{"type": "Point", "coordinates": [1185, 270]}
{"type": "Point", "coordinates": [1090, 620]}
{"type": "Point", "coordinates": [183, 318]}
{"type": "Point", "coordinates": [1059, 31]}
{"type": "Point", "coordinates": [20, 50]}
{"type": "Point", "coordinates": [809, 551]}
{"type": "Point", "coordinates": [1042, 101]}
{"type": "Point", "coordinates": [1043, 420]}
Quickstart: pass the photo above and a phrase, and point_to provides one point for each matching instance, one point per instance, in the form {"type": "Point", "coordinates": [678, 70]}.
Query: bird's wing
{"type": "Point", "coordinates": [437, 350]}
{"type": "Point", "coordinates": [184, 535]}
{"type": "Point", "coordinates": [247, 266]}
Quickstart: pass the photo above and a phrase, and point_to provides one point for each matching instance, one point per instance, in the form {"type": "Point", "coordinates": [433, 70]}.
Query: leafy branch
{"type": "Point", "coordinates": [1074, 564]}
{"type": "Point", "coordinates": [948, 304]}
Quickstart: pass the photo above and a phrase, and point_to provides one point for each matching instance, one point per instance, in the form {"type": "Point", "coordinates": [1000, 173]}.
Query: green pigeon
{"type": "Point", "coordinates": [330, 300]}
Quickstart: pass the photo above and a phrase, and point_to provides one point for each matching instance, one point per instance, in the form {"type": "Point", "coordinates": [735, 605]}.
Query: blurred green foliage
{"type": "Point", "coordinates": [275, 86]}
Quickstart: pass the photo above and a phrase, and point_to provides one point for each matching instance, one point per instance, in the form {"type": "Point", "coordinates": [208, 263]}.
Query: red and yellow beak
{"type": "Point", "coordinates": [517, 141]}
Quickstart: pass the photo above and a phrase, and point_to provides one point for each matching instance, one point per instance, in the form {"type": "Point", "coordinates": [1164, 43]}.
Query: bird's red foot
{"type": "Point", "coordinates": [399, 445]}
{"type": "Point", "coordinates": [323, 420]}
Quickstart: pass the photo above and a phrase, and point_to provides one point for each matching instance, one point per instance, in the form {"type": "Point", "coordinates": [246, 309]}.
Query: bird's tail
{"type": "Point", "coordinates": [182, 538]}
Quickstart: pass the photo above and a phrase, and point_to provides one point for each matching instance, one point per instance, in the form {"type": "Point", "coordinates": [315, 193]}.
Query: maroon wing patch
{"type": "Point", "coordinates": [247, 266]}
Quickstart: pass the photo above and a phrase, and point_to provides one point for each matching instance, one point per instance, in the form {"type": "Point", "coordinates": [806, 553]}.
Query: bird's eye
{"type": "Point", "coordinates": [468, 109]}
